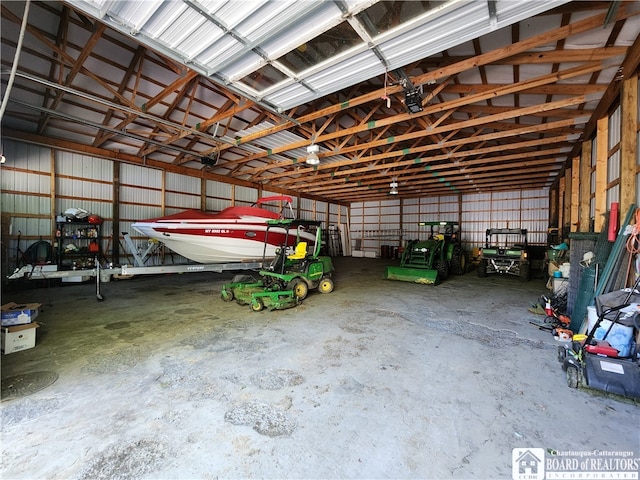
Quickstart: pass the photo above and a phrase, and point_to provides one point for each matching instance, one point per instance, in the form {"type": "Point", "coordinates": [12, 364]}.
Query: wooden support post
{"type": "Point", "coordinates": [561, 198]}
{"type": "Point", "coordinates": [115, 215]}
{"type": "Point", "coordinates": [575, 194]}
{"type": "Point", "coordinates": [628, 143]}
{"type": "Point", "coordinates": [52, 197]}
{"type": "Point", "coordinates": [163, 188]}
{"type": "Point", "coordinates": [602, 157]}
{"type": "Point", "coordinates": [203, 194]}
{"type": "Point", "coordinates": [585, 187]}
{"type": "Point", "coordinates": [553, 207]}
{"type": "Point", "coordinates": [567, 199]}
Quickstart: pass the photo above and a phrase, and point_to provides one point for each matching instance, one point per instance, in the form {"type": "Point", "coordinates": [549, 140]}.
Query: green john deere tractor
{"type": "Point", "coordinates": [286, 281]}
{"type": "Point", "coordinates": [431, 261]}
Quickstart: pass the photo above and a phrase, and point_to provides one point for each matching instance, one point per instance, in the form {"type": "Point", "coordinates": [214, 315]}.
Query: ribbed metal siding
{"type": "Point", "coordinates": [182, 192]}
{"type": "Point", "coordinates": [218, 195]}
{"type": "Point", "coordinates": [246, 195]}
{"type": "Point", "coordinates": [614, 128]}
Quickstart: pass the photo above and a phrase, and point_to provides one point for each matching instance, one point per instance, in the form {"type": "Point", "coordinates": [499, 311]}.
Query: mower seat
{"type": "Point", "coordinates": [300, 252]}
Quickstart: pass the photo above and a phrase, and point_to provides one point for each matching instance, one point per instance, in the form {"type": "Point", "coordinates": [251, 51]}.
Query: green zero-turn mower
{"type": "Point", "coordinates": [286, 281]}
{"type": "Point", "coordinates": [431, 261]}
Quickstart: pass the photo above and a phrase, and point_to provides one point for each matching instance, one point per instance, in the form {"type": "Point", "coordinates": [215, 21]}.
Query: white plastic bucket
{"type": "Point", "coordinates": [565, 269]}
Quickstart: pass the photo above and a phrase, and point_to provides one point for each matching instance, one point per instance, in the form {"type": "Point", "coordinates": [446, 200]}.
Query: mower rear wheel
{"type": "Point", "coordinates": [572, 377]}
{"type": "Point", "coordinates": [227, 295]}
{"type": "Point", "coordinates": [562, 354]}
{"type": "Point", "coordinates": [257, 305]}
{"type": "Point", "coordinates": [299, 287]}
{"type": "Point", "coordinates": [325, 285]}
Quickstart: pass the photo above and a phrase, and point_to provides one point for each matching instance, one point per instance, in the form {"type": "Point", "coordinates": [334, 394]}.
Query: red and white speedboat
{"type": "Point", "coordinates": [236, 234]}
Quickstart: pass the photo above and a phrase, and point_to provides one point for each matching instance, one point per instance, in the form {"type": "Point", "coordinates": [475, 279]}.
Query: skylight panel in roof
{"type": "Point", "coordinates": [317, 18]}
{"type": "Point", "coordinates": [321, 48]}
{"type": "Point", "coordinates": [439, 34]}
{"type": "Point", "coordinates": [385, 15]}
{"type": "Point", "coordinates": [263, 78]}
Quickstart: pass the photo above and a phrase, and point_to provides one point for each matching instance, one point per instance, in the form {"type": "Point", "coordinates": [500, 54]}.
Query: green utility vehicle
{"type": "Point", "coordinates": [286, 281]}
{"type": "Point", "coordinates": [505, 252]}
{"type": "Point", "coordinates": [431, 261]}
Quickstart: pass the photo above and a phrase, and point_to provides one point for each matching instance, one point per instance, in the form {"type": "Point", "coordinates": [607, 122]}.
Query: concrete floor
{"type": "Point", "coordinates": [378, 379]}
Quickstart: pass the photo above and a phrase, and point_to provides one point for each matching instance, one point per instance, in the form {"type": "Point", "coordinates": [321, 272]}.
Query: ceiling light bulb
{"type": "Point", "coordinates": [312, 159]}
{"type": "Point", "coordinates": [393, 191]}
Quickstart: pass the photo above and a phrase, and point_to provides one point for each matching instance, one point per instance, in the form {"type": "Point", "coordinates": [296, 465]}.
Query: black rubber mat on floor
{"type": "Point", "coordinates": [26, 384]}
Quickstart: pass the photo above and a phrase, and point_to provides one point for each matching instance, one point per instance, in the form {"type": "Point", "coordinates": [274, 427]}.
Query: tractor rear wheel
{"type": "Point", "coordinates": [524, 272]}
{"type": "Point", "coordinates": [325, 285]}
{"type": "Point", "coordinates": [458, 261]}
{"type": "Point", "coordinates": [482, 269]}
{"type": "Point", "coordinates": [299, 287]}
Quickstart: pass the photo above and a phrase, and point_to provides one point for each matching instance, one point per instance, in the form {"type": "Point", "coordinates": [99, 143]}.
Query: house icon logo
{"type": "Point", "coordinates": [527, 463]}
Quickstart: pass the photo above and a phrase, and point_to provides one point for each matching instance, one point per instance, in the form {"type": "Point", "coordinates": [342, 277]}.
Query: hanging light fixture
{"type": "Point", "coordinates": [394, 186]}
{"type": "Point", "coordinates": [312, 157]}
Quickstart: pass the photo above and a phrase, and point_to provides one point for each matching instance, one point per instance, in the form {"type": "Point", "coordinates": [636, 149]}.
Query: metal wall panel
{"type": "Point", "coordinates": [613, 195]}
{"type": "Point", "coordinates": [614, 128]}
{"type": "Point", "coordinates": [83, 166]}
{"type": "Point", "coordinates": [246, 195]}
{"type": "Point", "coordinates": [29, 157]}
{"type": "Point", "coordinates": [613, 166]}
{"type": "Point", "coordinates": [373, 225]}
{"type": "Point", "coordinates": [148, 196]}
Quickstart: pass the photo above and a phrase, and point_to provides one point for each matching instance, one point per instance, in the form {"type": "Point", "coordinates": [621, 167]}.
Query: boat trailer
{"type": "Point", "coordinates": [48, 271]}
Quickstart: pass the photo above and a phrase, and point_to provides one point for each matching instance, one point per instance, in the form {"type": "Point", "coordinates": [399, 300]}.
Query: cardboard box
{"type": "Point", "coordinates": [14, 314]}
{"type": "Point", "coordinates": [18, 337]}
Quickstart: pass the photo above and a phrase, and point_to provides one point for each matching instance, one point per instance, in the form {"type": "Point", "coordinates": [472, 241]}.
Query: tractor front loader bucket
{"type": "Point", "coordinates": [414, 275]}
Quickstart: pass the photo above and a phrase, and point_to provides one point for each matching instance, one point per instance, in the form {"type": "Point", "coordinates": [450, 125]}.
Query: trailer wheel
{"type": "Point", "coordinates": [572, 377]}
{"type": "Point", "coordinates": [326, 285]}
{"type": "Point", "coordinates": [257, 305]}
{"type": "Point", "coordinates": [299, 287]}
{"type": "Point", "coordinates": [227, 295]}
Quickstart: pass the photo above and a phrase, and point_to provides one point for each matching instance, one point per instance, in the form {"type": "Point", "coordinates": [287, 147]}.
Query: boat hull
{"type": "Point", "coordinates": [220, 242]}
